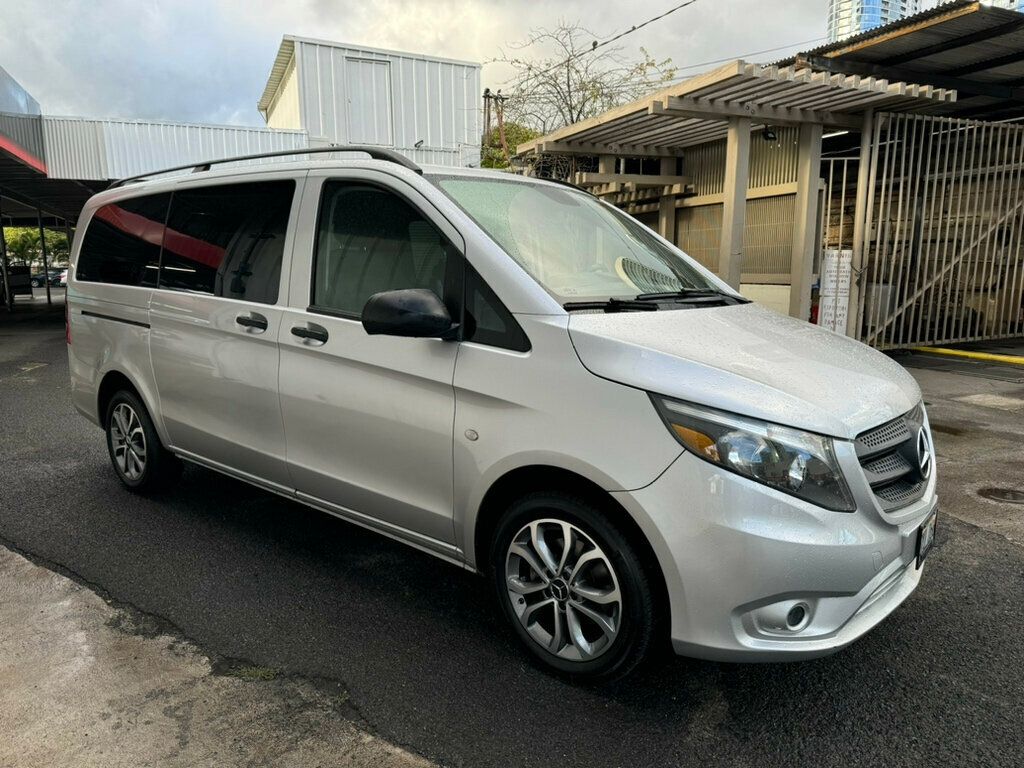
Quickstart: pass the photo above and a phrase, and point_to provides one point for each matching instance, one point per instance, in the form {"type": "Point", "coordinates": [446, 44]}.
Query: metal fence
{"type": "Point", "coordinates": [942, 237]}
{"type": "Point", "coordinates": [839, 204]}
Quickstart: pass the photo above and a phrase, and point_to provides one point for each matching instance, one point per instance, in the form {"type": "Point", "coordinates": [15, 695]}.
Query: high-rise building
{"type": "Point", "coordinates": [1013, 5]}
{"type": "Point", "coordinates": [851, 17]}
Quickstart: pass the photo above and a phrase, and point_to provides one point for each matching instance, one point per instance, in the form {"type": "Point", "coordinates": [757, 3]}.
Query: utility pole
{"type": "Point", "coordinates": [499, 104]}
{"type": "Point", "coordinates": [499, 112]}
{"type": "Point", "coordinates": [487, 124]}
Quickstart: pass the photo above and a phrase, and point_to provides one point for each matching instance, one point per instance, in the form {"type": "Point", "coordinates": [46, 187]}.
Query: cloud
{"type": "Point", "coordinates": [208, 60]}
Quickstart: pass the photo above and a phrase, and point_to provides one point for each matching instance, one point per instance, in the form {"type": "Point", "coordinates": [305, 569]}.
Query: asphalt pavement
{"type": "Point", "coordinates": [415, 650]}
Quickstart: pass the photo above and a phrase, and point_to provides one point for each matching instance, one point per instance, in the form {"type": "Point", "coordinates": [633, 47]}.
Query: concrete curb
{"type": "Point", "coordinates": [79, 687]}
{"type": "Point", "coordinates": [972, 355]}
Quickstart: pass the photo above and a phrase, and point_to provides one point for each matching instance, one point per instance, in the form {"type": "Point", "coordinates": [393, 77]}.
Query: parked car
{"type": "Point", "coordinates": [520, 379]}
{"type": "Point", "coordinates": [40, 279]}
{"type": "Point", "coordinates": [62, 281]}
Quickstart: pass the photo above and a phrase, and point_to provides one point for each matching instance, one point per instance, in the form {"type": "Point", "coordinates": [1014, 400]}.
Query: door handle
{"type": "Point", "coordinates": [311, 332]}
{"type": "Point", "coordinates": [253, 320]}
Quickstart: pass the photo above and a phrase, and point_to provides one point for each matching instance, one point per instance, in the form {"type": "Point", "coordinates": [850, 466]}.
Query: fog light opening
{"type": "Point", "coordinates": [797, 617]}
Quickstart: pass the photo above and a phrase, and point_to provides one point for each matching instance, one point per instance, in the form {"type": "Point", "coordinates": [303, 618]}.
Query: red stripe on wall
{"type": "Point", "coordinates": [15, 150]}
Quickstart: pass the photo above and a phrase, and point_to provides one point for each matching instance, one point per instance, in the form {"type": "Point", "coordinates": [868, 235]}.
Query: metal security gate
{"type": "Point", "coordinates": [942, 252]}
{"type": "Point", "coordinates": [838, 208]}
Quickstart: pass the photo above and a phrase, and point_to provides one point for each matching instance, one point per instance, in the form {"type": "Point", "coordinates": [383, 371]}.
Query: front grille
{"type": "Point", "coordinates": [894, 432]}
{"type": "Point", "coordinates": [888, 455]}
{"type": "Point", "coordinates": [901, 492]}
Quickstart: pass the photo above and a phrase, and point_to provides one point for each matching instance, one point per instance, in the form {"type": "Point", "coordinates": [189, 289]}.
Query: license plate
{"type": "Point", "coordinates": [925, 538]}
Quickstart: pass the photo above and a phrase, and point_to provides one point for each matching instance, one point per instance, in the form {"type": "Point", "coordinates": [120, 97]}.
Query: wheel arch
{"type": "Point", "coordinates": [523, 480]}
{"type": "Point", "coordinates": [115, 380]}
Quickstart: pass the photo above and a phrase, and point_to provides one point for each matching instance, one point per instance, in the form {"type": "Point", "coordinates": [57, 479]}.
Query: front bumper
{"type": "Point", "coordinates": [738, 556]}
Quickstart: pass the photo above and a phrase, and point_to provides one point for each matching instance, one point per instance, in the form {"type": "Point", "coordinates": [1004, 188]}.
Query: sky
{"type": "Point", "coordinates": [208, 60]}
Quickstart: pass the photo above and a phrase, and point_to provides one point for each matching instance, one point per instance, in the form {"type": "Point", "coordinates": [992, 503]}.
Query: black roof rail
{"type": "Point", "coordinates": [377, 153]}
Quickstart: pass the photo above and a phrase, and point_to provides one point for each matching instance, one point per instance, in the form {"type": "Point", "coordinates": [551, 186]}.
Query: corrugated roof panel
{"type": "Point", "coordinates": [968, 46]}
{"type": "Point", "coordinates": [87, 149]}
{"type": "Point", "coordinates": [277, 71]}
{"type": "Point", "coordinates": [918, 20]}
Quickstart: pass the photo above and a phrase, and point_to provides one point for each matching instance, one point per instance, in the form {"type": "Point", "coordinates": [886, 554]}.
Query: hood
{"type": "Point", "coordinates": [751, 361]}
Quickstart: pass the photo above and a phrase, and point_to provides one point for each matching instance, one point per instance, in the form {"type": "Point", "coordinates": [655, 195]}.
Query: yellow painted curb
{"type": "Point", "coordinates": [990, 356]}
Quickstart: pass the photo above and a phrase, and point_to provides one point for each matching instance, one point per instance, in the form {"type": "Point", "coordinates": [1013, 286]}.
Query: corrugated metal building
{"type": "Point", "coordinates": [20, 130]}
{"type": "Point", "coordinates": [83, 148]}
{"type": "Point", "coordinates": [427, 108]}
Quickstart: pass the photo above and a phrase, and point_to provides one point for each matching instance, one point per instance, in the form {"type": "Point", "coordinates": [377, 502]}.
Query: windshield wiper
{"type": "Point", "coordinates": [611, 305]}
{"type": "Point", "coordinates": [685, 294]}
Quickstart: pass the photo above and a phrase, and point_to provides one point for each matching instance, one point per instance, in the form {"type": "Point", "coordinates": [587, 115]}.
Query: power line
{"type": "Point", "coordinates": [619, 36]}
{"type": "Point", "coordinates": [744, 55]}
{"type": "Point", "coordinates": [651, 20]}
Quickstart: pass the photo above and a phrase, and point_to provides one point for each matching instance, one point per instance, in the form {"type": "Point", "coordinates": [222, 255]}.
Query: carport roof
{"type": "Point", "coordinates": [971, 47]}
{"type": "Point", "coordinates": [697, 110]}
{"type": "Point", "coordinates": [24, 188]}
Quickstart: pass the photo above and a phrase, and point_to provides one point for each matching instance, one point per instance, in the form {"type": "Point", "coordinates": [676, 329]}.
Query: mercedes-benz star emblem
{"type": "Point", "coordinates": [924, 454]}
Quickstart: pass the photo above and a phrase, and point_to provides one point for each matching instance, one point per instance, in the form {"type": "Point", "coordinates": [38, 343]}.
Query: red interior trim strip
{"type": "Point", "coordinates": [150, 231]}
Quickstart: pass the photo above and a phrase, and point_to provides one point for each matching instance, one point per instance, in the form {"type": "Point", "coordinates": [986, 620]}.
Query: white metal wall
{"type": "Point", "coordinates": [86, 149]}
{"type": "Point", "coordinates": [433, 102]}
{"type": "Point", "coordinates": [284, 112]}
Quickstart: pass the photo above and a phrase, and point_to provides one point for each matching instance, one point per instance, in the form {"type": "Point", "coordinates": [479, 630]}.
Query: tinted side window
{"type": "Point", "coordinates": [122, 242]}
{"type": "Point", "coordinates": [487, 321]}
{"type": "Point", "coordinates": [228, 240]}
{"type": "Point", "coordinates": [370, 240]}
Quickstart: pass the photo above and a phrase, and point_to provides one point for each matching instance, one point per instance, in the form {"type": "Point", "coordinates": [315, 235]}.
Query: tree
{"type": "Point", "coordinates": [515, 134]}
{"type": "Point", "coordinates": [576, 79]}
{"type": "Point", "coordinates": [23, 247]}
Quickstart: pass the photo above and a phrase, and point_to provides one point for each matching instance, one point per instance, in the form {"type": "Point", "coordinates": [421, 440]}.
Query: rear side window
{"type": "Point", "coordinates": [122, 243]}
{"type": "Point", "coordinates": [370, 240]}
{"type": "Point", "coordinates": [228, 240]}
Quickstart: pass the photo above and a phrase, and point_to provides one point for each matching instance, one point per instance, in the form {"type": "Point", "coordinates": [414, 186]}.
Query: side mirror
{"type": "Point", "coordinates": [412, 312]}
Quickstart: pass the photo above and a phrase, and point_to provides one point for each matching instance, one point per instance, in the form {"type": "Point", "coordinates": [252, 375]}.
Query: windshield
{"type": "Point", "coordinates": [572, 244]}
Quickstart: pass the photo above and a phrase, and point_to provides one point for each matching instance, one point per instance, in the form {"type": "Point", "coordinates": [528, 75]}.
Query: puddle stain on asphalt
{"type": "Point", "coordinates": [1002, 495]}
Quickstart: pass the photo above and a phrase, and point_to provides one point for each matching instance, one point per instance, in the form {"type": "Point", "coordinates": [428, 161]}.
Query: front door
{"type": "Point", "coordinates": [369, 419]}
{"type": "Point", "coordinates": [214, 325]}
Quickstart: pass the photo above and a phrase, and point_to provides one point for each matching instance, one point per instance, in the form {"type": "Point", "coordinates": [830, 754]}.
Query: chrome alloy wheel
{"type": "Point", "coordinates": [129, 441]}
{"type": "Point", "coordinates": [564, 590]}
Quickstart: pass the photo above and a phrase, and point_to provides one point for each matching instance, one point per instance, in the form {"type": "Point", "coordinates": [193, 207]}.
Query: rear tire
{"type": "Point", "coordinates": [140, 460]}
{"type": "Point", "coordinates": [587, 611]}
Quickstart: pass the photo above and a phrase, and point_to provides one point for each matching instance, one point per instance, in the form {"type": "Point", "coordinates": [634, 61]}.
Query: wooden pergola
{"type": "Point", "coordinates": [728, 103]}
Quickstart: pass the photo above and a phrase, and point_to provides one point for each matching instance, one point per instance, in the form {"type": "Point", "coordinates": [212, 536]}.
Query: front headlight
{"type": "Point", "coordinates": [793, 461]}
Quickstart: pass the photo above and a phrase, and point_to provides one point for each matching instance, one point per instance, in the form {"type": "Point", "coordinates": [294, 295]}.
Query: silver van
{"type": "Point", "coordinates": [518, 378]}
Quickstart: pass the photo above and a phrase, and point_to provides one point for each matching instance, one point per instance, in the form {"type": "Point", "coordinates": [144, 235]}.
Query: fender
{"type": "Point", "coordinates": [470, 500]}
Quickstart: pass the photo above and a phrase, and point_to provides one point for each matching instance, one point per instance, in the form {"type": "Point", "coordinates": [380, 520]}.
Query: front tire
{"type": "Point", "coordinates": [140, 460]}
{"type": "Point", "coordinates": [574, 588]}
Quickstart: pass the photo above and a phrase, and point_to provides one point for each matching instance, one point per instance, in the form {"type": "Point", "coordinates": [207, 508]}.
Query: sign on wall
{"type": "Point", "coordinates": [834, 294]}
